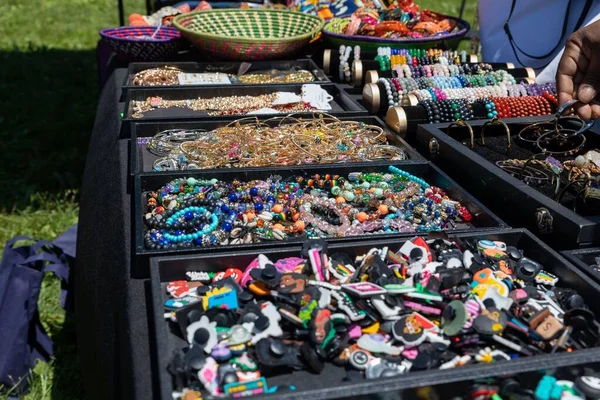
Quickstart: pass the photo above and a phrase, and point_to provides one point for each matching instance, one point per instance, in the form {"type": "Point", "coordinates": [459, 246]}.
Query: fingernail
{"type": "Point", "coordinates": [586, 93]}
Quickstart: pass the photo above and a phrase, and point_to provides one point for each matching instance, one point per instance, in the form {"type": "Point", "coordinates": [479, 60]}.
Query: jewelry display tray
{"type": "Point", "coordinates": [483, 218]}
{"type": "Point", "coordinates": [142, 160]}
{"type": "Point", "coordinates": [341, 105]}
{"type": "Point", "coordinates": [330, 383]}
{"type": "Point", "coordinates": [517, 203]}
{"type": "Point", "coordinates": [584, 259]}
{"type": "Point", "coordinates": [306, 64]}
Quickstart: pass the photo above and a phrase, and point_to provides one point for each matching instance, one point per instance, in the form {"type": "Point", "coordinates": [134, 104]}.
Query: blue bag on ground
{"type": "Point", "coordinates": [23, 339]}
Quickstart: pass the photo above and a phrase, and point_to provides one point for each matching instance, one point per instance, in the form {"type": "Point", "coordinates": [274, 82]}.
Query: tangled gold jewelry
{"type": "Point", "coordinates": [287, 140]}
{"type": "Point", "coordinates": [163, 76]}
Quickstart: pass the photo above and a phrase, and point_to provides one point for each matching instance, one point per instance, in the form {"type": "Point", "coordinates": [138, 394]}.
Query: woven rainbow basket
{"type": "Point", "coordinates": [234, 34]}
{"type": "Point", "coordinates": [142, 43]}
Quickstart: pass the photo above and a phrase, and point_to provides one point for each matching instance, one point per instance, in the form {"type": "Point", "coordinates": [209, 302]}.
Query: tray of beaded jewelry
{"type": "Point", "coordinates": [587, 260]}
{"type": "Point", "coordinates": [529, 173]}
{"type": "Point", "coordinates": [302, 70]}
{"type": "Point", "coordinates": [214, 210]}
{"type": "Point", "coordinates": [351, 320]}
{"type": "Point", "coordinates": [235, 101]}
{"type": "Point", "coordinates": [275, 141]}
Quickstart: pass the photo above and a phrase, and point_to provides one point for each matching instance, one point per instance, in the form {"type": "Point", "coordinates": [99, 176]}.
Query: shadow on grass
{"type": "Point", "coordinates": [48, 102]}
{"type": "Point", "coordinates": [66, 383]}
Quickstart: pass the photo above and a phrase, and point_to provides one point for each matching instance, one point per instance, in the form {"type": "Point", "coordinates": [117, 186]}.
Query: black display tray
{"type": "Point", "coordinates": [519, 204]}
{"type": "Point", "coordinates": [226, 68]}
{"type": "Point", "coordinates": [482, 217]}
{"type": "Point", "coordinates": [329, 384]}
{"type": "Point", "coordinates": [342, 104]}
{"type": "Point", "coordinates": [142, 160]}
{"type": "Point", "coordinates": [584, 259]}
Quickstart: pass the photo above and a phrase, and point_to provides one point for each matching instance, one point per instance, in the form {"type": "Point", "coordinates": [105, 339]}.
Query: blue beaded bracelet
{"type": "Point", "coordinates": [404, 174]}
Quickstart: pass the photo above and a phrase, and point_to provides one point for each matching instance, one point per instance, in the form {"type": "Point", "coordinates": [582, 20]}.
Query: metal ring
{"type": "Point", "coordinates": [389, 149]}
{"type": "Point", "coordinates": [461, 123]}
{"type": "Point", "coordinates": [496, 121]}
{"type": "Point", "coordinates": [538, 126]}
{"type": "Point", "coordinates": [568, 152]}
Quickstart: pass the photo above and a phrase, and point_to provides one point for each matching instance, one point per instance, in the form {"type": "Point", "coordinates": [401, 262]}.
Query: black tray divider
{"type": "Point", "coordinates": [582, 259]}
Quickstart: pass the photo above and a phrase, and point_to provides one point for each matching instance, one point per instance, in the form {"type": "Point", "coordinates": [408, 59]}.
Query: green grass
{"type": "Point", "coordinates": [49, 87]}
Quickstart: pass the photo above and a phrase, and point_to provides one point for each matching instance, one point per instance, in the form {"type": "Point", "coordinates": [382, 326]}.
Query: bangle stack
{"type": "Point", "coordinates": [251, 143]}
{"type": "Point", "coordinates": [188, 212]}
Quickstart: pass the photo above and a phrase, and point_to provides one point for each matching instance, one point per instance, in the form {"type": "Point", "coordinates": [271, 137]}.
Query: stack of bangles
{"type": "Point", "coordinates": [388, 57]}
{"type": "Point", "coordinates": [501, 107]}
{"type": "Point", "coordinates": [251, 143]}
{"type": "Point", "coordinates": [196, 212]}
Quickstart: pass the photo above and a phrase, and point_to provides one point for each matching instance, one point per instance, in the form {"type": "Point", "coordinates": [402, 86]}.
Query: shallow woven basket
{"type": "Point", "coordinates": [234, 34]}
{"type": "Point", "coordinates": [126, 42]}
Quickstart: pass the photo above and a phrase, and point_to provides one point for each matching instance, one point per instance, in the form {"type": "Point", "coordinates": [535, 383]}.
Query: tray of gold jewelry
{"type": "Point", "coordinates": [539, 173]}
{"type": "Point", "coordinates": [163, 147]}
{"type": "Point", "coordinates": [233, 102]}
{"type": "Point", "coordinates": [152, 74]}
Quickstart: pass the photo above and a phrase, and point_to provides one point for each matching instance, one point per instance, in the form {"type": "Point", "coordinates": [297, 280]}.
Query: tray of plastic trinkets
{"type": "Point", "coordinates": [352, 320]}
{"type": "Point", "coordinates": [214, 210]}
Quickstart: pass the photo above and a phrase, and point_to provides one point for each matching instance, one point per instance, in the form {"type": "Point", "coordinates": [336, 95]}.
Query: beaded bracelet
{"type": "Point", "coordinates": [189, 212]}
{"type": "Point", "coordinates": [344, 69]}
{"type": "Point", "coordinates": [388, 90]}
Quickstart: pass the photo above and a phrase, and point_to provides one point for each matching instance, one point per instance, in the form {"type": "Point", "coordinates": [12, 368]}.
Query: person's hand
{"type": "Point", "coordinates": [578, 73]}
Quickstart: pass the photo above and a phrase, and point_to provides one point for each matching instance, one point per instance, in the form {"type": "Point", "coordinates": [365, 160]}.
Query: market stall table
{"type": "Point", "coordinates": [111, 312]}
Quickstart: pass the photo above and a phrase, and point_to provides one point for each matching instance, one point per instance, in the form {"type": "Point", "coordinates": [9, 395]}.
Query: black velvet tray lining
{"type": "Point", "coordinates": [495, 150]}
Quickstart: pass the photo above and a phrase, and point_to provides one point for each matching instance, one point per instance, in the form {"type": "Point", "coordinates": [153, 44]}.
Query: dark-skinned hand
{"type": "Point", "coordinates": [578, 74]}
